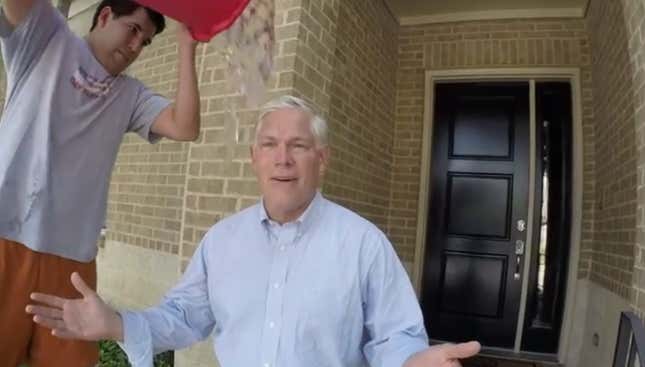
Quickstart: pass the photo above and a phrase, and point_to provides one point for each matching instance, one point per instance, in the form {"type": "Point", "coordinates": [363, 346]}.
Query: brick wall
{"type": "Point", "coordinates": [315, 25]}
{"type": "Point", "coordinates": [620, 57]}
{"type": "Point", "coordinates": [615, 147]}
{"type": "Point", "coordinates": [482, 44]}
{"type": "Point", "coordinates": [362, 109]}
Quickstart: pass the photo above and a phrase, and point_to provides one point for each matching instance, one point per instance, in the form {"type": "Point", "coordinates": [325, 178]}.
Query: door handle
{"type": "Point", "coordinates": [519, 251]}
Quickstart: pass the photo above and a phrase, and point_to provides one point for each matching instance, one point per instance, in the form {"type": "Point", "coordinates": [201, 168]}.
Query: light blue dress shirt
{"type": "Point", "coordinates": [325, 290]}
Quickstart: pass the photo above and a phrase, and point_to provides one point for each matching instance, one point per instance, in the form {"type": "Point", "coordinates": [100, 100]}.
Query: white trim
{"type": "Point", "coordinates": [423, 202]}
{"type": "Point", "coordinates": [493, 15]}
{"type": "Point", "coordinates": [530, 217]}
{"type": "Point", "coordinates": [572, 297]}
{"type": "Point", "coordinates": [526, 74]}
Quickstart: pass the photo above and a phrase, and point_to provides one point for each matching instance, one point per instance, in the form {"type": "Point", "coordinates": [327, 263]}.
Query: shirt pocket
{"type": "Point", "coordinates": [331, 309]}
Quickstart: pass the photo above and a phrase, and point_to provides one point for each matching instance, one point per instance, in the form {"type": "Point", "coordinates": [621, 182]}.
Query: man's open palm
{"type": "Point", "coordinates": [444, 355]}
{"type": "Point", "coordinates": [86, 318]}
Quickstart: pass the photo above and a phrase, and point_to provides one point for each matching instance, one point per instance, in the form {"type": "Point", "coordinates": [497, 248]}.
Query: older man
{"type": "Point", "coordinates": [295, 280]}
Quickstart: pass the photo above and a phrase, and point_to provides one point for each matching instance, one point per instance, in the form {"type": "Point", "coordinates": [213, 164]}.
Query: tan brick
{"type": "Point", "coordinates": [242, 187]}
{"type": "Point", "coordinates": [206, 186]}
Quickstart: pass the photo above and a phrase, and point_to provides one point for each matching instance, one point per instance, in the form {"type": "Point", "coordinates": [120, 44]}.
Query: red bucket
{"type": "Point", "coordinates": [204, 18]}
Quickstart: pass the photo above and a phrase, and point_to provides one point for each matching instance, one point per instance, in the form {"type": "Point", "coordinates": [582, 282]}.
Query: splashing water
{"type": "Point", "coordinates": [250, 44]}
{"type": "Point", "coordinates": [249, 55]}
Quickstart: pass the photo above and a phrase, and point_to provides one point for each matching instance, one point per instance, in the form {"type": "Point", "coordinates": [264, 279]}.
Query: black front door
{"type": "Point", "coordinates": [472, 273]}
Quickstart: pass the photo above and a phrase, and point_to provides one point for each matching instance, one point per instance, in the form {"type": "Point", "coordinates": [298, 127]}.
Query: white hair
{"type": "Point", "coordinates": [317, 123]}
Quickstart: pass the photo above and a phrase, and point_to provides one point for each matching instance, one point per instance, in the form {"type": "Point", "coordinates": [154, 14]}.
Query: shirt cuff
{"type": "Point", "coordinates": [137, 340]}
{"type": "Point", "coordinates": [406, 351]}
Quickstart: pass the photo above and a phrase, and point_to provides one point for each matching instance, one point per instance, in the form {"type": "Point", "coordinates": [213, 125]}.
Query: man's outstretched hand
{"type": "Point", "coordinates": [443, 355]}
{"type": "Point", "coordinates": [86, 318]}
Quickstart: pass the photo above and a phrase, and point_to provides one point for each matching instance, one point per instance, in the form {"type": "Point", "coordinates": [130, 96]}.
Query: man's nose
{"type": "Point", "coordinates": [283, 155]}
{"type": "Point", "coordinates": [136, 44]}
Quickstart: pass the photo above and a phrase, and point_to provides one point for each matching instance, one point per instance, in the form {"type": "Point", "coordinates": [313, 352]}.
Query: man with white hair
{"type": "Point", "coordinates": [295, 280]}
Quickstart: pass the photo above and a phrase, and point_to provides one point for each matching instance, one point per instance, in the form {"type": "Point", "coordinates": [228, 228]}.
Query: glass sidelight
{"type": "Point", "coordinates": [549, 257]}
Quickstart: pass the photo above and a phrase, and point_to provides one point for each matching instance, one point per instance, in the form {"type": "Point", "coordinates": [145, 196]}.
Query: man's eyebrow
{"type": "Point", "coordinates": [265, 136]}
{"type": "Point", "coordinates": [296, 139]}
{"type": "Point", "coordinates": [299, 139]}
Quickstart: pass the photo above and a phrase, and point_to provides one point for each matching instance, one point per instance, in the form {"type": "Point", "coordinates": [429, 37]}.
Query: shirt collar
{"type": "Point", "coordinates": [304, 221]}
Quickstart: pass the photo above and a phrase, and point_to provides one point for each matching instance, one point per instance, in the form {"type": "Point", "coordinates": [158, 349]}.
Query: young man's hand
{"type": "Point", "coordinates": [16, 10]}
{"type": "Point", "coordinates": [87, 318]}
{"type": "Point", "coordinates": [184, 38]}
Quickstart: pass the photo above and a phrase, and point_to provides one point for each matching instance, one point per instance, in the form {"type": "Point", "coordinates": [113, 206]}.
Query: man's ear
{"type": "Point", "coordinates": [104, 15]}
{"type": "Point", "coordinates": [324, 160]}
{"type": "Point", "coordinates": [254, 160]}
{"type": "Point", "coordinates": [252, 151]}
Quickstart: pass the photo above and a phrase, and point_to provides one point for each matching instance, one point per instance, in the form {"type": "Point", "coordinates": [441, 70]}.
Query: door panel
{"type": "Point", "coordinates": [482, 128]}
{"type": "Point", "coordinates": [469, 195]}
{"type": "Point", "coordinates": [486, 294]}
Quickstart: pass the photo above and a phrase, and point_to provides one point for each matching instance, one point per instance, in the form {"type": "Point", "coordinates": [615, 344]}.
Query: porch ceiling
{"type": "Point", "coordinates": [438, 11]}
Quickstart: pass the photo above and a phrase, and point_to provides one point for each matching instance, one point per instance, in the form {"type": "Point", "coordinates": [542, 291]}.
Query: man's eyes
{"type": "Point", "coordinates": [134, 30]}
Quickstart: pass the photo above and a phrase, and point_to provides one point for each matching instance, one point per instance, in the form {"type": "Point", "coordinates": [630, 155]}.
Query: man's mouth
{"type": "Point", "coordinates": [123, 55]}
{"type": "Point", "coordinates": [283, 179]}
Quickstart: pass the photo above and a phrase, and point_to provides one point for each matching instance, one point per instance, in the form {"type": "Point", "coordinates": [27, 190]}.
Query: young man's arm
{"type": "Point", "coordinates": [26, 29]}
{"type": "Point", "coordinates": [181, 120]}
{"type": "Point", "coordinates": [16, 10]}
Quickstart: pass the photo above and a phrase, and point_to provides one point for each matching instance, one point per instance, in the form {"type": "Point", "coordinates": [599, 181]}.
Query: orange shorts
{"type": "Point", "coordinates": [23, 271]}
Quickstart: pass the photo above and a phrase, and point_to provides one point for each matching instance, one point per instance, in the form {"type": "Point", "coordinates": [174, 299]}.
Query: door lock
{"type": "Point", "coordinates": [521, 225]}
{"type": "Point", "coordinates": [519, 247]}
{"type": "Point", "coordinates": [519, 251]}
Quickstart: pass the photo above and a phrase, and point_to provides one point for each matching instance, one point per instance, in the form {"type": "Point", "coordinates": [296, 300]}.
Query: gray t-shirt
{"type": "Point", "coordinates": [63, 122]}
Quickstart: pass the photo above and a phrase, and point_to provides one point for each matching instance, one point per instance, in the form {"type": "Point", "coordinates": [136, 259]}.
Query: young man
{"type": "Point", "coordinates": [68, 105]}
{"type": "Point", "coordinates": [293, 281]}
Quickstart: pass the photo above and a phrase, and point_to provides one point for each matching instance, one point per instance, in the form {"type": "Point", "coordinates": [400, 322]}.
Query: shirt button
{"type": "Point", "coordinates": [271, 324]}
{"type": "Point", "coordinates": [276, 285]}
{"type": "Point", "coordinates": [267, 365]}
{"type": "Point", "coordinates": [283, 247]}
